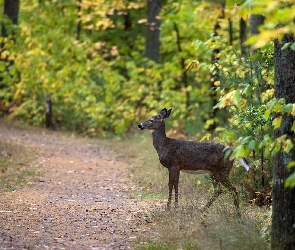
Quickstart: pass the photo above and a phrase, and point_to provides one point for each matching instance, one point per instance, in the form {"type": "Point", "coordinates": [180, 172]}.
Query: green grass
{"type": "Point", "coordinates": [186, 227]}
{"type": "Point", "coordinates": [15, 167]}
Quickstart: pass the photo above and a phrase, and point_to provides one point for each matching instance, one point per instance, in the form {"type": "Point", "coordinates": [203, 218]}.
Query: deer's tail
{"type": "Point", "coordinates": [245, 163]}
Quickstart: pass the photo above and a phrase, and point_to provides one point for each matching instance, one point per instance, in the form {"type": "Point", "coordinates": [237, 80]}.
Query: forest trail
{"type": "Point", "coordinates": [80, 199]}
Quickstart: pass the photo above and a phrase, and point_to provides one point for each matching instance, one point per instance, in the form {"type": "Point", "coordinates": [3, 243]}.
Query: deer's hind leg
{"type": "Point", "coordinates": [217, 192]}
{"type": "Point", "coordinates": [226, 182]}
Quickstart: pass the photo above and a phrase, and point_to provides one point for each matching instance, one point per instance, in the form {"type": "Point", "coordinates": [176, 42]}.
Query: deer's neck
{"type": "Point", "coordinates": [159, 137]}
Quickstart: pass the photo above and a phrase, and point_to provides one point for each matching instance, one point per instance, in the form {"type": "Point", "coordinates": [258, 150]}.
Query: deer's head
{"type": "Point", "coordinates": [155, 122]}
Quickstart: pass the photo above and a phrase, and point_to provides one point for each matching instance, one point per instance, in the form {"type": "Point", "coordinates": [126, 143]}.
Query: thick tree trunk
{"type": "Point", "coordinates": [283, 199]}
{"type": "Point", "coordinates": [153, 30]}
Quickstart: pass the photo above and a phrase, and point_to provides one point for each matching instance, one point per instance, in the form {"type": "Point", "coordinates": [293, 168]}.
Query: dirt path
{"type": "Point", "coordinates": [82, 200]}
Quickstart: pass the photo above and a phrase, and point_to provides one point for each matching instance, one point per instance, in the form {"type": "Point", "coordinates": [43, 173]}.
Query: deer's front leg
{"type": "Point", "coordinates": [170, 186]}
{"type": "Point", "coordinates": [173, 183]}
{"type": "Point", "coordinates": [176, 181]}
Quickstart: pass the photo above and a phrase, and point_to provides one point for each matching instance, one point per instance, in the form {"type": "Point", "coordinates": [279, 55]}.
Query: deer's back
{"type": "Point", "coordinates": [189, 155]}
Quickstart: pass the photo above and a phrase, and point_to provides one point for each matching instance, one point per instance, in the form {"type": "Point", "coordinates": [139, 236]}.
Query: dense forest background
{"type": "Point", "coordinates": [105, 65]}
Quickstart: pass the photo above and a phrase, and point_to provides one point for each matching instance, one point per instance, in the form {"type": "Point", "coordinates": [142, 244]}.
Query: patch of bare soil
{"type": "Point", "coordinates": [80, 200]}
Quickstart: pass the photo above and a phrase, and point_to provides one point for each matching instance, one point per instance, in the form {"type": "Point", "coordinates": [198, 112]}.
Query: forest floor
{"type": "Point", "coordinates": [81, 196]}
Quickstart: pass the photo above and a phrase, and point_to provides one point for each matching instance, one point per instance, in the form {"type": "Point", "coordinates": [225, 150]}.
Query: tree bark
{"type": "Point", "coordinates": [283, 199]}
{"type": "Point", "coordinates": [152, 46]}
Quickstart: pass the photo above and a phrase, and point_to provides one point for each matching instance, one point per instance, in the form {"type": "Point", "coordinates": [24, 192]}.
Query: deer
{"type": "Point", "coordinates": [192, 157]}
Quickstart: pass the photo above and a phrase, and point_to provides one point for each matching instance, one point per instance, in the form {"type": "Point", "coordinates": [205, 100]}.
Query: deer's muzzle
{"type": "Point", "coordinates": [140, 126]}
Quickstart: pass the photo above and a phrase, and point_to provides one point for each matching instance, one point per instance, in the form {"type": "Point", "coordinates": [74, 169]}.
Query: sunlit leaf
{"type": "Point", "coordinates": [290, 181]}
{"type": "Point", "coordinates": [267, 114]}
{"type": "Point", "coordinates": [288, 145]}
{"type": "Point", "coordinates": [253, 145]}
{"type": "Point", "coordinates": [277, 122]}
{"type": "Point", "coordinates": [291, 164]}
{"type": "Point", "coordinates": [286, 45]}
{"type": "Point", "coordinates": [241, 151]}
{"type": "Point", "coordinates": [293, 110]}
{"type": "Point", "coordinates": [287, 108]}
{"type": "Point", "coordinates": [237, 96]}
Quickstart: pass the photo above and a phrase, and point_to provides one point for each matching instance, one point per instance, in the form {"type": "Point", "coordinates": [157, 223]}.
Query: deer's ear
{"type": "Point", "coordinates": [165, 113]}
{"type": "Point", "coordinates": [168, 113]}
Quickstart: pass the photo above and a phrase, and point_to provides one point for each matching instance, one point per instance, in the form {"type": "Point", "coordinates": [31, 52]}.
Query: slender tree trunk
{"type": "Point", "coordinates": [153, 30]}
{"type": "Point", "coordinates": [243, 37]}
{"type": "Point", "coordinates": [79, 24]}
{"type": "Point", "coordinates": [48, 111]}
{"type": "Point", "coordinates": [230, 31]}
{"type": "Point", "coordinates": [11, 8]}
{"type": "Point", "coordinates": [184, 79]}
{"type": "Point", "coordinates": [255, 22]}
{"type": "Point", "coordinates": [215, 76]}
{"type": "Point", "coordinates": [283, 199]}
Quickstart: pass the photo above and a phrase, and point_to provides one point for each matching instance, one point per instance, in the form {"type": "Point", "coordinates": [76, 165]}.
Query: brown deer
{"type": "Point", "coordinates": [192, 157]}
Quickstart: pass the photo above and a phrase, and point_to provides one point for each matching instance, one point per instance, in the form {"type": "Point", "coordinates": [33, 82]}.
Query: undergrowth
{"type": "Point", "coordinates": [187, 227]}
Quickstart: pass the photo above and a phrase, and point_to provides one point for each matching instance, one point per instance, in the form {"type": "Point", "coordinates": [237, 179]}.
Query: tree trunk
{"type": "Point", "coordinates": [283, 199]}
{"type": "Point", "coordinates": [255, 22]}
{"type": "Point", "coordinates": [215, 76]}
{"type": "Point", "coordinates": [153, 30]}
{"type": "Point", "coordinates": [243, 37]}
{"type": "Point", "coordinates": [184, 80]}
{"type": "Point", "coordinates": [48, 111]}
{"type": "Point", "coordinates": [79, 23]}
{"type": "Point", "coordinates": [11, 8]}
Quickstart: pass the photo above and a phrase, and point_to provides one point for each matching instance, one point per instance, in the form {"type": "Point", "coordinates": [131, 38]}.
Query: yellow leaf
{"type": "Point", "coordinates": [288, 145]}
{"type": "Point", "coordinates": [293, 110]}
{"type": "Point", "coordinates": [277, 122]}
{"type": "Point", "coordinates": [216, 83]}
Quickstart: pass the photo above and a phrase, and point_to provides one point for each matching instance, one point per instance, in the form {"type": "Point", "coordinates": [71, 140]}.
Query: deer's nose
{"type": "Point", "coordinates": [140, 126]}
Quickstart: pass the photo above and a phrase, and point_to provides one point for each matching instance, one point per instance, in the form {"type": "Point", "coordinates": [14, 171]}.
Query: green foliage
{"type": "Point", "coordinates": [96, 83]}
{"type": "Point", "coordinates": [279, 16]}
{"type": "Point", "coordinates": [246, 95]}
